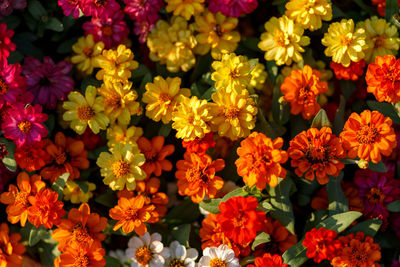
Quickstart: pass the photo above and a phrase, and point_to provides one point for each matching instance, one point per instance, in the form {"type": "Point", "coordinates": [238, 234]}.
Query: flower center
{"type": "Point", "coordinates": [217, 263]}
{"type": "Point", "coordinates": [165, 98]}
{"type": "Point", "coordinates": [25, 126]}
{"type": "Point", "coordinates": [85, 113]}
{"type": "Point", "coordinates": [100, 3]}
{"type": "Point", "coordinates": [346, 40]}
{"type": "Point", "coordinates": [113, 101]}
{"type": "Point", "coordinates": [379, 40]}
{"type": "Point", "coordinates": [61, 158]}
{"type": "Point", "coordinates": [177, 263]}
{"type": "Point", "coordinates": [192, 175]}
{"type": "Point", "coordinates": [367, 134]}
{"type": "Point", "coordinates": [281, 39]}
{"type": "Point", "coordinates": [218, 30]}
{"type": "Point", "coordinates": [305, 93]}
{"type": "Point", "coordinates": [22, 199]}
{"type": "Point", "coordinates": [87, 51]}
{"type": "Point", "coordinates": [235, 73]}
{"type": "Point", "coordinates": [316, 153]}
{"type": "Point", "coordinates": [80, 233]}
{"type": "Point", "coordinates": [231, 112]}
{"type": "Point", "coordinates": [107, 31]}
{"type": "Point", "coordinates": [44, 82]}
{"type": "Point", "coordinates": [120, 168]}
{"type": "Point", "coordinates": [143, 255]}
{"type": "Point", "coordinates": [375, 196]}
{"type": "Point", "coordinates": [358, 257]}
{"type": "Point", "coordinates": [3, 87]}
{"type": "Point", "coordinates": [239, 221]}
{"type": "Point", "coordinates": [81, 261]}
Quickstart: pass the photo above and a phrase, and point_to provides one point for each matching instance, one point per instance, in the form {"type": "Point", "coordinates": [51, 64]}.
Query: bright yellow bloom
{"type": "Point", "coordinates": [85, 110]}
{"type": "Point", "coordinates": [382, 38]}
{"type": "Point", "coordinates": [309, 13]}
{"type": "Point", "coordinates": [121, 134]}
{"type": "Point", "coordinates": [216, 33]}
{"type": "Point", "coordinates": [258, 77]}
{"type": "Point", "coordinates": [117, 63]}
{"type": "Point", "coordinates": [233, 115]}
{"type": "Point", "coordinates": [185, 8]}
{"type": "Point", "coordinates": [122, 166]}
{"type": "Point", "coordinates": [162, 98]}
{"type": "Point", "coordinates": [190, 118]}
{"type": "Point", "coordinates": [344, 42]}
{"type": "Point", "coordinates": [283, 40]}
{"type": "Point", "coordinates": [86, 54]}
{"type": "Point", "coordinates": [172, 44]}
{"type": "Point", "coordinates": [232, 73]}
{"type": "Point", "coordinates": [73, 193]}
{"type": "Point", "coordinates": [119, 100]}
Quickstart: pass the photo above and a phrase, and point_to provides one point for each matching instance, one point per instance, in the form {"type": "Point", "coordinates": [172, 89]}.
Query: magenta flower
{"type": "Point", "coordinates": [5, 41]}
{"type": "Point", "coordinates": [143, 10]}
{"type": "Point", "coordinates": [110, 29]}
{"type": "Point", "coordinates": [70, 7]}
{"type": "Point", "coordinates": [232, 8]}
{"type": "Point", "coordinates": [395, 223]}
{"type": "Point", "coordinates": [99, 8]}
{"type": "Point", "coordinates": [12, 83]}
{"type": "Point", "coordinates": [25, 125]}
{"type": "Point", "coordinates": [142, 29]}
{"type": "Point", "coordinates": [7, 6]}
{"type": "Point", "coordinates": [48, 81]}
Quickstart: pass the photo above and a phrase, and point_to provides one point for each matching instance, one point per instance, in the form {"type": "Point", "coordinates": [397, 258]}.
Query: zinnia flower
{"type": "Point", "coordinates": [71, 7]}
{"type": "Point", "coordinates": [25, 125]}
{"type": "Point", "coordinates": [48, 81]}
{"type": "Point", "coordinates": [139, 10]}
{"type": "Point", "coordinates": [258, 77]}
{"type": "Point", "coordinates": [74, 193]}
{"type": "Point", "coordinates": [283, 41]}
{"type": "Point", "coordinates": [352, 72]}
{"type": "Point", "coordinates": [218, 256]}
{"type": "Point", "coordinates": [82, 256]}
{"type": "Point", "coordinates": [7, 6]}
{"type": "Point", "coordinates": [321, 244]}
{"type": "Point", "coordinates": [99, 8]}
{"type": "Point", "coordinates": [180, 256]}
{"type": "Point", "coordinates": [233, 8]}
{"type": "Point", "coordinates": [12, 84]}
{"type": "Point", "coordinates": [185, 8]}
{"type": "Point", "coordinates": [200, 145]}
{"type": "Point", "coordinates": [6, 45]}
{"type": "Point", "coordinates": [268, 260]}
{"type": "Point", "coordinates": [344, 42]}
{"type": "Point", "coordinates": [309, 13]}
{"type": "Point", "coordinates": [260, 159]}
{"type": "Point", "coordinates": [300, 90]}
{"type": "Point", "coordinates": [368, 136]}
{"type": "Point", "coordinates": [86, 53]}
{"type": "Point", "coordinates": [32, 158]}
{"type": "Point", "coordinates": [11, 250]}
{"type": "Point", "coordinates": [121, 134]}
{"type": "Point", "coordinates": [196, 176]}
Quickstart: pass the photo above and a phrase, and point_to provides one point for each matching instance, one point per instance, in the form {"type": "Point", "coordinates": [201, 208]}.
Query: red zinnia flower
{"type": "Point", "coordinates": [321, 244]}
{"type": "Point", "coordinates": [352, 72]}
{"type": "Point", "coordinates": [32, 158]}
{"type": "Point", "coordinates": [5, 41]}
{"type": "Point", "coordinates": [268, 260]}
{"type": "Point", "coordinates": [200, 145]}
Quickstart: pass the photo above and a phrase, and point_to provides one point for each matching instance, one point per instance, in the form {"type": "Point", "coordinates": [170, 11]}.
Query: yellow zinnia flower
{"type": "Point", "coordinates": [121, 134]}
{"type": "Point", "coordinates": [119, 100]}
{"type": "Point", "coordinates": [86, 54]}
{"type": "Point", "coordinates": [309, 13]}
{"type": "Point", "coordinates": [283, 40]}
{"type": "Point", "coordinates": [117, 63]}
{"type": "Point", "coordinates": [190, 118]}
{"type": "Point", "coordinates": [85, 110]}
{"type": "Point", "coordinates": [122, 166]}
{"type": "Point", "coordinates": [233, 115]}
{"type": "Point", "coordinates": [162, 98]}
{"type": "Point", "coordinates": [73, 193]}
{"type": "Point", "coordinates": [344, 42]}
{"type": "Point", "coordinates": [382, 38]}
{"type": "Point", "coordinates": [185, 8]}
{"type": "Point", "coordinates": [216, 32]}
{"type": "Point", "coordinates": [258, 77]}
{"type": "Point", "coordinates": [232, 73]}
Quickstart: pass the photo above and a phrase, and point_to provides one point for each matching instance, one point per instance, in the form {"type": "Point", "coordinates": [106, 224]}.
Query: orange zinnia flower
{"type": "Point", "coordinates": [383, 79]}
{"type": "Point", "coordinates": [357, 251]}
{"type": "Point", "coordinates": [321, 244]}
{"type": "Point", "coordinates": [268, 260]}
{"type": "Point", "coordinates": [17, 198]}
{"type": "Point", "coordinates": [259, 160]}
{"type": "Point", "coordinates": [68, 155]}
{"type": "Point", "coordinates": [352, 72]}
{"type": "Point", "coordinates": [46, 210]}
{"type": "Point", "coordinates": [196, 176]}
{"type": "Point", "coordinates": [368, 135]}
{"type": "Point", "coordinates": [10, 250]}
{"type": "Point", "coordinates": [132, 213]}
{"type": "Point", "coordinates": [92, 256]}
{"type": "Point", "coordinates": [316, 153]}
{"type": "Point", "coordinates": [81, 228]}
{"type": "Point", "coordinates": [155, 153]}
{"type": "Point", "coordinates": [300, 90]}
{"type": "Point", "coordinates": [32, 158]}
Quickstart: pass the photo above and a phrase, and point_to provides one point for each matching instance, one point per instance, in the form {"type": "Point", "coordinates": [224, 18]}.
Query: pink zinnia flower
{"type": "Point", "coordinates": [7, 6]}
{"type": "Point", "coordinates": [48, 81]}
{"type": "Point", "coordinates": [143, 10]}
{"type": "Point", "coordinates": [25, 125]}
{"type": "Point", "coordinates": [70, 7]}
{"type": "Point", "coordinates": [142, 29]}
{"type": "Point", "coordinates": [5, 41]}
{"type": "Point", "coordinates": [109, 29]}
{"type": "Point", "coordinates": [232, 8]}
{"type": "Point", "coordinates": [12, 83]}
{"type": "Point", "coordinates": [99, 8]}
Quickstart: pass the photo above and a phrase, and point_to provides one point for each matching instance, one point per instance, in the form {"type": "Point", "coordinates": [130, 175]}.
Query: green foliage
{"type": "Point", "coordinates": [261, 238]}
{"type": "Point", "coordinates": [59, 184]}
{"type": "Point", "coordinates": [9, 160]}
{"type": "Point", "coordinates": [320, 120]}
{"type": "Point", "coordinates": [394, 206]}
{"type": "Point", "coordinates": [181, 233]}
{"type": "Point", "coordinates": [111, 262]}
{"type": "Point", "coordinates": [368, 227]}
{"type": "Point", "coordinates": [377, 167]}
{"type": "Point", "coordinates": [337, 200]}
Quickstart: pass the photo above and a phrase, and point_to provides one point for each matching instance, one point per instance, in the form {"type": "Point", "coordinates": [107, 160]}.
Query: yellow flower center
{"type": "Point", "coordinates": [3, 87]}
{"type": "Point", "coordinates": [25, 126]}
{"type": "Point", "coordinates": [239, 221]}
{"type": "Point", "coordinates": [217, 263]}
{"type": "Point", "coordinates": [177, 263]}
{"type": "Point", "coordinates": [82, 261]}
{"type": "Point", "coordinates": [22, 199]}
{"type": "Point", "coordinates": [85, 113]}
{"type": "Point", "coordinates": [346, 40]}
{"type": "Point", "coordinates": [317, 153]}
{"type": "Point", "coordinates": [165, 97]}
{"type": "Point", "coordinates": [231, 112]}
{"type": "Point", "coordinates": [375, 196]}
{"type": "Point", "coordinates": [192, 174]}
{"type": "Point", "coordinates": [87, 51]}
{"type": "Point", "coordinates": [367, 134]}
{"type": "Point", "coordinates": [379, 40]}
{"type": "Point", "coordinates": [218, 30]}
{"type": "Point", "coordinates": [80, 233]}
{"type": "Point", "coordinates": [120, 168]}
{"type": "Point", "coordinates": [113, 101]}
{"type": "Point", "coordinates": [143, 255]}
{"type": "Point", "coordinates": [235, 73]}
{"type": "Point", "coordinates": [281, 39]}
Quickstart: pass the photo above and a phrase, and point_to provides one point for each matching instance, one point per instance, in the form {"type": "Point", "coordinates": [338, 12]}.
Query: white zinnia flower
{"type": "Point", "coordinates": [180, 256]}
{"type": "Point", "coordinates": [218, 256]}
{"type": "Point", "coordinates": [147, 251]}
{"type": "Point", "coordinates": [119, 254]}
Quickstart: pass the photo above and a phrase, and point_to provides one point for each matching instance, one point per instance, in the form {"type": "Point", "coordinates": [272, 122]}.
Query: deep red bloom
{"type": "Point", "coordinates": [321, 244]}
{"type": "Point", "coordinates": [268, 260]}
{"type": "Point", "coordinates": [232, 8]}
{"type": "Point", "coordinates": [32, 158]}
{"type": "Point", "coordinates": [12, 84]}
{"type": "Point", "coordinates": [90, 139]}
{"type": "Point", "coordinates": [5, 41]}
{"type": "Point", "coordinates": [71, 7]}
{"type": "Point", "coordinates": [352, 72]}
{"type": "Point", "coordinates": [200, 145]}
{"type": "Point", "coordinates": [99, 8]}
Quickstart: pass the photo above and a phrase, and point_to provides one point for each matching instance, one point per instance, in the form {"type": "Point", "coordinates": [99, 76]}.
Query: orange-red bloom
{"type": "Point", "coordinates": [86, 256]}
{"type": "Point", "coordinates": [82, 228]}
{"type": "Point", "coordinates": [352, 72]}
{"type": "Point", "coordinates": [46, 210]}
{"type": "Point", "coordinates": [259, 160]}
{"type": "Point", "coordinates": [300, 90]}
{"type": "Point", "coordinates": [268, 260]}
{"type": "Point", "coordinates": [68, 155]}
{"type": "Point", "coordinates": [239, 219]}
{"type": "Point", "coordinates": [383, 79]}
{"type": "Point", "coordinates": [32, 158]}
{"type": "Point", "coordinates": [200, 145]}
{"type": "Point", "coordinates": [155, 153]}
{"type": "Point", "coordinates": [17, 197]}
{"type": "Point", "coordinates": [196, 176]}
{"type": "Point", "coordinates": [10, 250]}
{"type": "Point", "coordinates": [132, 213]}
{"type": "Point", "coordinates": [316, 153]}
{"type": "Point", "coordinates": [368, 136]}
{"type": "Point", "coordinates": [321, 244]}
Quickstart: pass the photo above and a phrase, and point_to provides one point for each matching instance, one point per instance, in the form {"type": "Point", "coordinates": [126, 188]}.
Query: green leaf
{"type": "Point", "coordinates": [320, 120]}
{"type": "Point", "coordinates": [94, 154]}
{"type": "Point", "coordinates": [261, 238]}
{"type": "Point", "coordinates": [165, 129]}
{"type": "Point", "coordinates": [50, 123]}
{"type": "Point", "coordinates": [368, 227]}
{"type": "Point", "coordinates": [9, 160]}
{"type": "Point", "coordinates": [107, 199]}
{"type": "Point", "coordinates": [185, 212]}
{"type": "Point", "coordinates": [392, 8]}
{"type": "Point", "coordinates": [211, 205]}
{"type": "Point", "coordinates": [36, 9]}
{"type": "Point", "coordinates": [315, 218]}
{"type": "Point", "coordinates": [339, 121]}
{"type": "Point", "coordinates": [11, 21]}
{"type": "Point", "coordinates": [111, 262]}
{"type": "Point", "coordinates": [55, 25]}
{"type": "Point", "coordinates": [337, 200]}
{"type": "Point", "coordinates": [181, 234]}
{"type": "Point", "coordinates": [195, 90]}
{"type": "Point", "coordinates": [247, 260]}
{"type": "Point", "coordinates": [59, 184]}
{"type": "Point", "coordinates": [235, 193]}
{"type": "Point", "coordinates": [207, 94]}
{"type": "Point", "coordinates": [47, 253]}
{"type": "Point", "coordinates": [394, 206]}
{"type": "Point", "coordinates": [37, 234]}
{"type": "Point", "coordinates": [386, 109]}
{"type": "Point", "coordinates": [65, 47]}
{"type": "Point", "coordinates": [306, 190]}
{"type": "Point", "coordinates": [83, 186]}
{"type": "Point", "coordinates": [377, 167]}
{"type": "Point", "coordinates": [280, 111]}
